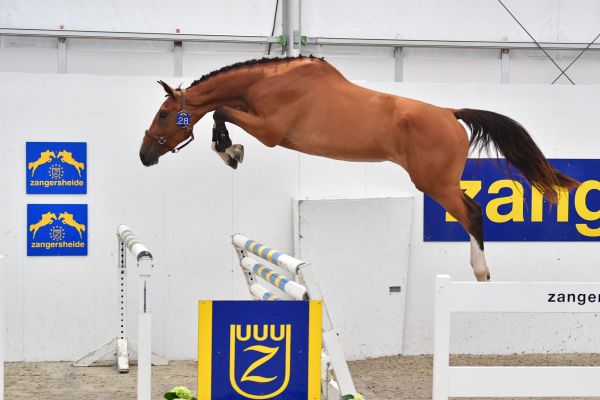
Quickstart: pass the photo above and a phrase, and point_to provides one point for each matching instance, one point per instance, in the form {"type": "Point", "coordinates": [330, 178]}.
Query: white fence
{"type": "Point", "coordinates": [510, 297]}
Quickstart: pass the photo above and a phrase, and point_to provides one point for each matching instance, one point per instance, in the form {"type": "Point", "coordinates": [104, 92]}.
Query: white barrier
{"type": "Point", "coordinates": [121, 345]}
{"type": "Point", "coordinates": [510, 297]}
{"type": "Point", "coordinates": [296, 281]}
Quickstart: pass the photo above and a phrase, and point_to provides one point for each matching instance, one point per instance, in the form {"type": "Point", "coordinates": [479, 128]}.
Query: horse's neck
{"type": "Point", "coordinates": [221, 89]}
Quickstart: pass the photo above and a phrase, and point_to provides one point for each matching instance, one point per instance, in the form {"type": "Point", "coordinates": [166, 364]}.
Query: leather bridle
{"type": "Point", "coordinates": [162, 140]}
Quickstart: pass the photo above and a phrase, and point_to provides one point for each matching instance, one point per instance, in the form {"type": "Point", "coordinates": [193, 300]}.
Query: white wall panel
{"type": "Point", "coordinates": [451, 65]}
{"type": "Point", "coordinates": [186, 207]}
{"type": "Point", "coordinates": [360, 247]}
{"type": "Point", "coordinates": [190, 16]}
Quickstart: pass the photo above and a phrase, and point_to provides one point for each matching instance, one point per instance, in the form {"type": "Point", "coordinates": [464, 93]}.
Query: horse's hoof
{"type": "Point", "coordinates": [488, 277]}
{"type": "Point", "coordinates": [232, 163]}
{"type": "Point", "coordinates": [237, 151]}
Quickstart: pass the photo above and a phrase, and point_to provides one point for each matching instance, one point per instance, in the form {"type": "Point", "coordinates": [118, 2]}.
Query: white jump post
{"type": "Point", "coordinates": [509, 297]}
{"type": "Point", "coordinates": [294, 280]}
{"type": "Point", "coordinates": [1, 332]}
{"type": "Point", "coordinates": [121, 345]}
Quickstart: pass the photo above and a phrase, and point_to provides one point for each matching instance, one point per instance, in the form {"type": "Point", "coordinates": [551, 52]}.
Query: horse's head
{"type": "Point", "coordinates": [171, 125]}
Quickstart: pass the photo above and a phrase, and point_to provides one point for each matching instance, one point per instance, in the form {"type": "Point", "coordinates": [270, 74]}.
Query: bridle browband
{"type": "Point", "coordinates": [162, 140]}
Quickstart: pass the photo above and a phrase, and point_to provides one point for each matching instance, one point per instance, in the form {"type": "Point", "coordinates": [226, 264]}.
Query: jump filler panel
{"type": "Point", "coordinates": [259, 350]}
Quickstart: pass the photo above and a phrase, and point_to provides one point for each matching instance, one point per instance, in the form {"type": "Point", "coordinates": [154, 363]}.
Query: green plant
{"type": "Point", "coordinates": [180, 392]}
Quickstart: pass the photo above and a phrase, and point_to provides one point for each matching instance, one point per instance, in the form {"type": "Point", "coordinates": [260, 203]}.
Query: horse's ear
{"type": "Point", "coordinates": [168, 89]}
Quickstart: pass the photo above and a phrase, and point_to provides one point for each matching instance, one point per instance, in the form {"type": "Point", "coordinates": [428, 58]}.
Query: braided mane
{"type": "Point", "coordinates": [250, 63]}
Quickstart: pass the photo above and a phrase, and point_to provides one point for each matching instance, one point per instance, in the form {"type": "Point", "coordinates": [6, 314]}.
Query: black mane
{"type": "Point", "coordinates": [248, 63]}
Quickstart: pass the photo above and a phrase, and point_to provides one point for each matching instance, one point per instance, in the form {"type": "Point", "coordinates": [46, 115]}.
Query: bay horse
{"type": "Point", "coordinates": [305, 104]}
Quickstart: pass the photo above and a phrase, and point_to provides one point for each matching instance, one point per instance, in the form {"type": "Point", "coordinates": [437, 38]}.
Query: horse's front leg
{"type": "Point", "coordinates": [231, 154]}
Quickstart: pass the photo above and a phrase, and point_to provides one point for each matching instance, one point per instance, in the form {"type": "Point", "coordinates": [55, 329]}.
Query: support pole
{"type": "Point", "coordinates": [178, 58]}
{"type": "Point", "coordinates": [144, 350]}
{"type": "Point", "coordinates": [441, 338]}
{"type": "Point", "coordinates": [291, 14]}
{"type": "Point", "coordinates": [505, 66]}
{"type": "Point", "coordinates": [62, 55]}
{"type": "Point", "coordinates": [398, 64]}
{"type": "Point", "coordinates": [1, 332]}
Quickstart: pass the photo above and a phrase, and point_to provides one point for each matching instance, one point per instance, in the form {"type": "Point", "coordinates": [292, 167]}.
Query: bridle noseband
{"type": "Point", "coordinates": [183, 122]}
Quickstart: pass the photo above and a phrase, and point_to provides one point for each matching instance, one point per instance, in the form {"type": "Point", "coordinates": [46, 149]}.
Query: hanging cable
{"type": "Point", "coordinates": [536, 43]}
{"type": "Point", "coordinates": [577, 58]}
{"type": "Point", "coordinates": [273, 29]}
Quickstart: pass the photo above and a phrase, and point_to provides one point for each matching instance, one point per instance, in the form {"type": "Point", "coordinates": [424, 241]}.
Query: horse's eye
{"type": "Point", "coordinates": [163, 114]}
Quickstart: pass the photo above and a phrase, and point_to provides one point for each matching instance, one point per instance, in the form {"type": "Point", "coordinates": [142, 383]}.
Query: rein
{"type": "Point", "coordinates": [183, 122]}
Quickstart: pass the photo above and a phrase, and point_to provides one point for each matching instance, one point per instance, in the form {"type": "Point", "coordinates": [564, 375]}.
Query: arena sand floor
{"type": "Point", "coordinates": [393, 378]}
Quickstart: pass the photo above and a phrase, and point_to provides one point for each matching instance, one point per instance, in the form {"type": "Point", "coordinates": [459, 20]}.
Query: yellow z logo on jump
{"type": "Point", "coordinates": [253, 332]}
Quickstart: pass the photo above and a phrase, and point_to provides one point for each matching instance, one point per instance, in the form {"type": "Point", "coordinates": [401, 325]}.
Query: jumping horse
{"type": "Point", "coordinates": [305, 104]}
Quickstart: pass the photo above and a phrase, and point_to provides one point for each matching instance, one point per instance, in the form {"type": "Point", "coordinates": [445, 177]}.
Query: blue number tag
{"type": "Point", "coordinates": [183, 118]}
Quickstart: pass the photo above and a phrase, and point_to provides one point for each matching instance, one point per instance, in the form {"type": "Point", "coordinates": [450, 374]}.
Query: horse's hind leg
{"type": "Point", "coordinates": [469, 214]}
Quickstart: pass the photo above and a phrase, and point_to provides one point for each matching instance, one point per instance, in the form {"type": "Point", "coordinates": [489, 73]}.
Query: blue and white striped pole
{"type": "Point", "coordinates": [276, 279]}
{"type": "Point", "coordinates": [278, 258]}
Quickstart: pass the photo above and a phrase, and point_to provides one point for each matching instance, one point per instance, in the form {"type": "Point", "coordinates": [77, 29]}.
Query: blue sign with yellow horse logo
{"type": "Point", "coordinates": [56, 168]}
{"type": "Point", "coordinates": [259, 350]}
{"type": "Point", "coordinates": [57, 229]}
{"type": "Point", "coordinates": [512, 211]}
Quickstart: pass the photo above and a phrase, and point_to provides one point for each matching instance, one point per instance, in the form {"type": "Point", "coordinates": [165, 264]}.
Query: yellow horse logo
{"type": "Point", "coordinates": [68, 219]}
{"type": "Point", "coordinates": [45, 157]}
{"type": "Point", "coordinates": [47, 219]}
{"type": "Point", "coordinates": [67, 157]}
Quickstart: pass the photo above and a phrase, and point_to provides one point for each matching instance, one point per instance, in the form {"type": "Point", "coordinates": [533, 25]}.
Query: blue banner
{"type": "Point", "coordinates": [259, 350]}
{"type": "Point", "coordinates": [56, 168]}
{"type": "Point", "coordinates": [57, 229]}
{"type": "Point", "coordinates": [513, 212]}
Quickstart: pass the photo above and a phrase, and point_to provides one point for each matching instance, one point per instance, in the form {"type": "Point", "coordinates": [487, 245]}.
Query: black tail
{"type": "Point", "coordinates": [514, 143]}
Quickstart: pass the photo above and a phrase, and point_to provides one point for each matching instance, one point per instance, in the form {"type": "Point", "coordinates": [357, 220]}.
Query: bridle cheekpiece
{"type": "Point", "coordinates": [184, 121]}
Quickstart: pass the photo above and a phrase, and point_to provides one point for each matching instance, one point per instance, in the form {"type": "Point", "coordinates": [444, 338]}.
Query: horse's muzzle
{"type": "Point", "coordinates": [148, 161]}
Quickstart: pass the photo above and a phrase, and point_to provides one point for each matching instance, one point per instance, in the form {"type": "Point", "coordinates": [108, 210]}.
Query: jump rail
{"type": "Point", "coordinates": [295, 281]}
{"type": "Point", "coordinates": [510, 297]}
{"type": "Point", "coordinates": [122, 345]}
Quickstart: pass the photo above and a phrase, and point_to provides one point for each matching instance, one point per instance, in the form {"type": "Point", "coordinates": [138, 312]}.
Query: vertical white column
{"type": "Point", "coordinates": [505, 66]}
{"type": "Point", "coordinates": [292, 25]}
{"type": "Point", "coordinates": [62, 56]}
{"type": "Point", "coordinates": [1, 331]}
{"type": "Point", "coordinates": [398, 64]}
{"type": "Point", "coordinates": [144, 377]}
{"type": "Point", "coordinates": [441, 337]}
{"type": "Point", "coordinates": [178, 58]}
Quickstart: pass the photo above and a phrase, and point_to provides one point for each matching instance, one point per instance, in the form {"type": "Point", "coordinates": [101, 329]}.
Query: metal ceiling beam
{"type": "Point", "coordinates": [447, 44]}
{"type": "Point", "coordinates": [318, 41]}
{"type": "Point", "coordinates": [170, 37]}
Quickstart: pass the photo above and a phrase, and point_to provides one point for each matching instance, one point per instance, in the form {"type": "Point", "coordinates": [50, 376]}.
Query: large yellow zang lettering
{"type": "Point", "coordinates": [584, 211]}
{"type": "Point", "coordinates": [270, 353]}
{"type": "Point", "coordinates": [515, 199]}
{"type": "Point", "coordinates": [537, 205]}
{"type": "Point", "coordinates": [471, 189]}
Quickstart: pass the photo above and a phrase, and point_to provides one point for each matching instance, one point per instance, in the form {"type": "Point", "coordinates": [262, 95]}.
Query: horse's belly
{"type": "Point", "coordinates": [347, 146]}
